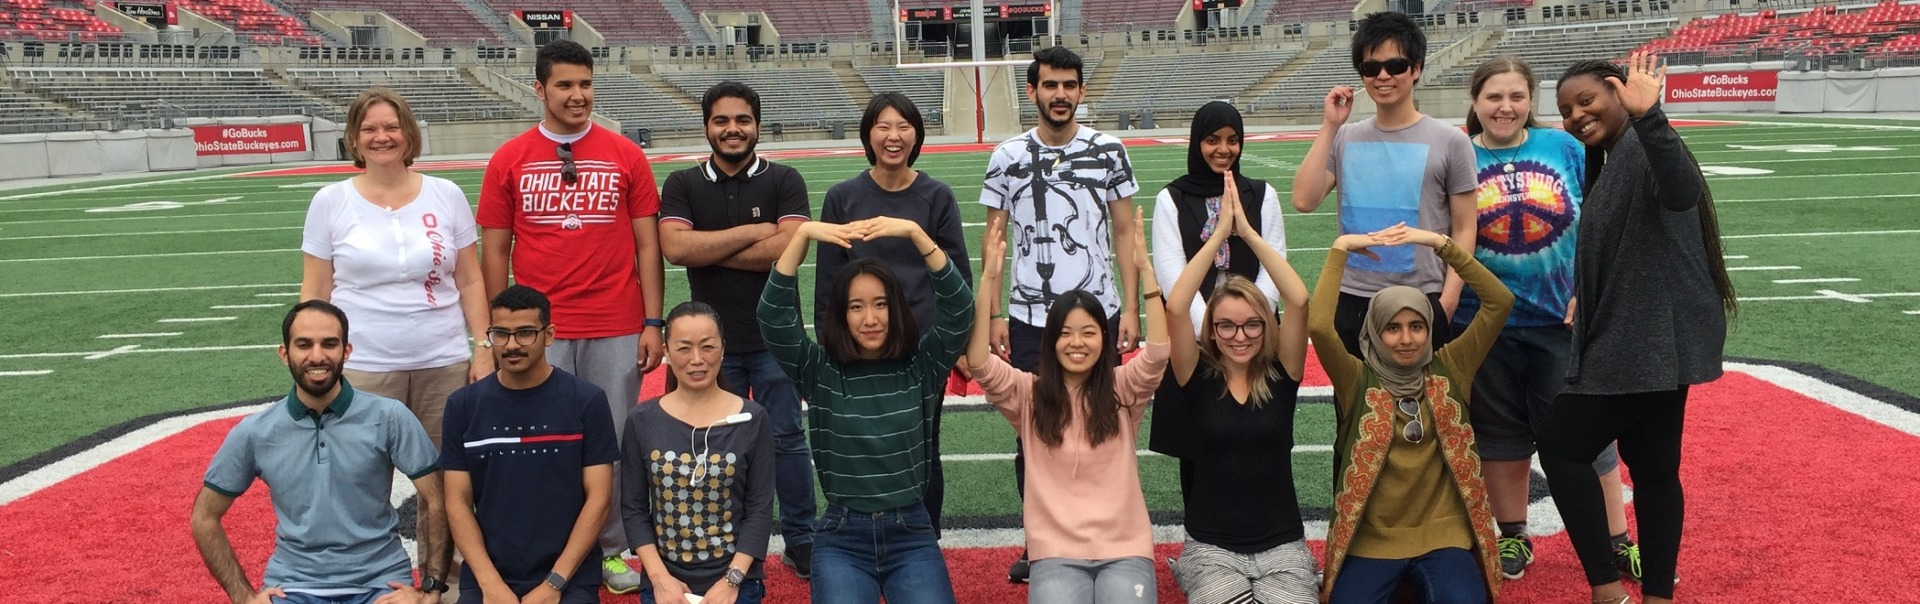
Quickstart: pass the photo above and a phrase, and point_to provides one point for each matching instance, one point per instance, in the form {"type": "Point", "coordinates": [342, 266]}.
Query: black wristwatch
{"type": "Point", "coordinates": [555, 581]}
{"type": "Point", "coordinates": [432, 585]}
{"type": "Point", "coordinates": [736, 576]}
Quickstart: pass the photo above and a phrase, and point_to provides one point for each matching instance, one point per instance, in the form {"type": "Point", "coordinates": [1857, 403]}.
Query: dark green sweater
{"type": "Point", "coordinates": [869, 422]}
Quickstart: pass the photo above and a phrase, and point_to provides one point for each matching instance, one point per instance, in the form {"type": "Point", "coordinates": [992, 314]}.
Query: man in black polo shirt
{"type": "Point", "coordinates": [727, 220]}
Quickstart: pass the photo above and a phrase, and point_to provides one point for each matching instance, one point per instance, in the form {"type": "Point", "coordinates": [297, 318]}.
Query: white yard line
{"type": "Point", "coordinates": [128, 185]}
{"type": "Point", "coordinates": [1843, 297]}
{"type": "Point", "coordinates": [30, 372]}
{"type": "Point", "coordinates": [144, 256]}
{"type": "Point", "coordinates": [1820, 280]}
{"type": "Point", "coordinates": [1141, 453]}
{"type": "Point", "coordinates": [241, 306]}
{"type": "Point", "coordinates": [115, 352]}
{"type": "Point", "coordinates": [278, 295]}
{"type": "Point", "coordinates": [158, 334]}
{"type": "Point", "coordinates": [1822, 234]}
{"type": "Point", "coordinates": [1829, 297]}
{"type": "Point", "coordinates": [144, 290]}
{"type": "Point", "coordinates": [150, 233]}
{"type": "Point", "coordinates": [196, 320]}
{"type": "Point", "coordinates": [1763, 268]}
{"type": "Point", "coordinates": [84, 354]}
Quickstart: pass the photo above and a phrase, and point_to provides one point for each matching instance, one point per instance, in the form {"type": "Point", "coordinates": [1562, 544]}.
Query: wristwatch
{"type": "Point", "coordinates": [432, 585]}
{"type": "Point", "coordinates": [557, 582]}
{"type": "Point", "coordinates": [736, 576]}
{"type": "Point", "coordinates": [653, 322]}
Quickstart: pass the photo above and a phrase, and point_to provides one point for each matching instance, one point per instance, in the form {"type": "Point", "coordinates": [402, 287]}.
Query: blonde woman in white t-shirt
{"type": "Point", "coordinates": [397, 251]}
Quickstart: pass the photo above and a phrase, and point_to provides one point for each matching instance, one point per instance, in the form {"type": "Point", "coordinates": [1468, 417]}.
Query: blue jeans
{"type": "Point", "coordinates": [858, 557]}
{"type": "Point", "coordinates": [757, 374]}
{"type": "Point", "coordinates": [752, 591]}
{"type": "Point", "coordinates": [1443, 576]}
{"type": "Point", "coordinates": [294, 597]}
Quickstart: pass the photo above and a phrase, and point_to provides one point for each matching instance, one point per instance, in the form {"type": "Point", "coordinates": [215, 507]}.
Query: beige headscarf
{"type": "Point", "coordinates": [1399, 380]}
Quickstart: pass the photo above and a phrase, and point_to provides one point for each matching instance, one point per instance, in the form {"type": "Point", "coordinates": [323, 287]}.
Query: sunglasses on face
{"type": "Point", "coordinates": [1414, 431]}
{"type": "Point", "coordinates": [1395, 67]}
{"type": "Point", "coordinates": [567, 171]}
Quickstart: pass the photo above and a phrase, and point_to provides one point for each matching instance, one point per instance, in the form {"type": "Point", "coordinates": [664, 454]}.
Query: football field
{"type": "Point", "coordinates": [131, 298]}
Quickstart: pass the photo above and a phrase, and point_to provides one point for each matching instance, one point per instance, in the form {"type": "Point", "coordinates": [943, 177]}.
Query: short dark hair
{"type": "Point", "coordinates": [1053, 406]}
{"type": "Point", "coordinates": [1057, 57]}
{"type": "Point", "coordinates": [560, 51]}
{"type": "Point", "coordinates": [286, 324]}
{"type": "Point", "coordinates": [729, 89]}
{"type": "Point", "coordinates": [520, 297]}
{"type": "Point", "coordinates": [1380, 28]}
{"type": "Point", "coordinates": [903, 333]}
{"type": "Point", "coordinates": [694, 308]}
{"type": "Point", "coordinates": [899, 102]}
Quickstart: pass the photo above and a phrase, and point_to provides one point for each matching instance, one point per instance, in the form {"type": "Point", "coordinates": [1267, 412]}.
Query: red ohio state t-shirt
{"type": "Point", "coordinates": [574, 243]}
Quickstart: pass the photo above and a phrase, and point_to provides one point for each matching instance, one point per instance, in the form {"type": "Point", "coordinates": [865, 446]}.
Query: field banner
{"type": "Point", "coordinates": [546, 19]}
{"type": "Point", "coordinates": [253, 139]}
{"type": "Point", "coordinates": [1723, 87]}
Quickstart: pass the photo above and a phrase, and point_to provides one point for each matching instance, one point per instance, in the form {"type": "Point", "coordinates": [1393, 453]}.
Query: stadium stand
{"type": "Point", "coordinates": [1030, 115]}
{"type": "Point", "coordinates": [843, 20]}
{"type": "Point", "coordinates": [620, 21]}
{"type": "Point", "coordinates": [1301, 11]}
{"type": "Point", "coordinates": [1769, 35]}
{"type": "Point", "coordinates": [23, 112]}
{"type": "Point", "coordinates": [637, 101]}
{"type": "Point", "coordinates": [1306, 87]}
{"type": "Point", "coordinates": [1124, 15]}
{"type": "Point", "coordinates": [792, 96]}
{"type": "Point", "coordinates": [925, 87]}
{"type": "Point", "coordinates": [1147, 82]}
{"type": "Point", "coordinates": [55, 21]}
{"type": "Point", "coordinates": [1550, 50]}
{"type": "Point", "coordinates": [133, 92]}
{"type": "Point", "coordinates": [436, 94]}
{"type": "Point", "coordinates": [443, 22]}
{"type": "Point", "coordinates": [254, 21]}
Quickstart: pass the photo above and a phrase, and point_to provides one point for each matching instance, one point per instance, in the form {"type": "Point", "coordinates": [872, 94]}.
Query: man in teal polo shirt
{"type": "Point", "coordinates": [328, 454]}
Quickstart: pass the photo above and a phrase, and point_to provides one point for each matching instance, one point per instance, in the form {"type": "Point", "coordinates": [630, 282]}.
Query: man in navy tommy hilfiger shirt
{"type": "Point", "coordinates": [528, 454]}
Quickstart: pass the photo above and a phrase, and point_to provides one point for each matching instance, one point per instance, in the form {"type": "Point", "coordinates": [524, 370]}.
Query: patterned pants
{"type": "Point", "coordinates": [1282, 575]}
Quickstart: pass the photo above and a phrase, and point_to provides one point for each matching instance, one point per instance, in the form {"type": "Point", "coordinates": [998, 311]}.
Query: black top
{"type": "Point", "coordinates": [1241, 463]}
{"type": "Point", "coordinates": [710, 200]}
{"type": "Point", "coordinates": [1650, 317]}
{"type": "Point", "coordinates": [928, 202]}
{"type": "Point", "coordinates": [698, 514]}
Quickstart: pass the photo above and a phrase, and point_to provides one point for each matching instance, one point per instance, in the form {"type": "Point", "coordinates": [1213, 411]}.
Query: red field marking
{"type": "Point", "coordinates": [1786, 495]}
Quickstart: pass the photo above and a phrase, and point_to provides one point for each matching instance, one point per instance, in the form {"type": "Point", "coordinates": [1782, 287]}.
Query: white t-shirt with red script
{"type": "Point", "coordinates": [393, 272]}
{"type": "Point", "coordinates": [574, 242]}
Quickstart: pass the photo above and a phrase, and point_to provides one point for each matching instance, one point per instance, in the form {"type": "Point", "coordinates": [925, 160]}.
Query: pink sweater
{"type": "Point", "coordinates": [1083, 502]}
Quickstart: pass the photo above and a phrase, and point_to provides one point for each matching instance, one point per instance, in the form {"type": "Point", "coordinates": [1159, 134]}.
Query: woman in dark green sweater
{"type": "Point", "coordinates": [1409, 504]}
{"type": "Point", "coordinates": [872, 385]}
{"type": "Point", "coordinates": [1651, 318]}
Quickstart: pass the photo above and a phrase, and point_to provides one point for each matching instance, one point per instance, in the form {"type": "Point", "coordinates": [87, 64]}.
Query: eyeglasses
{"type": "Point", "coordinates": [1226, 330]}
{"type": "Point", "coordinates": [1394, 66]}
{"type": "Point", "coordinates": [1414, 431]}
{"type": "Point", "coordinates": [525, 336]}
{"type": "Point", "coordinates": [567, 171]}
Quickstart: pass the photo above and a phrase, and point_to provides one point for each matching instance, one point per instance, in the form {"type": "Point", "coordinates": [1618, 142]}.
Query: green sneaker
{"type": "Point", "coordinates": [619, 577]}
{"type": "Point", "coordinates": [1516, 554]}
{"type": "Point", "coordinates": [1626, 559]}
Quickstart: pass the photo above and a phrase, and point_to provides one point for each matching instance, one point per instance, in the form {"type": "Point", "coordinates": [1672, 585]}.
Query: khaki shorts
{"type": "Point", "coordinates": [423, 391]}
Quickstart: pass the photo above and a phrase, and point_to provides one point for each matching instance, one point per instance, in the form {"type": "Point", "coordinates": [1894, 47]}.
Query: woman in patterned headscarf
{"type": "Point", "coordinates": [1409, 504]}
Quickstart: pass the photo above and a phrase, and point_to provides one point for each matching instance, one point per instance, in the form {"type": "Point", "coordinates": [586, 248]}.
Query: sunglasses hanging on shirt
{"type": "Point", "coordinates": [567, 171]}
{"type": "Point", "coordinates": [1414, 431]}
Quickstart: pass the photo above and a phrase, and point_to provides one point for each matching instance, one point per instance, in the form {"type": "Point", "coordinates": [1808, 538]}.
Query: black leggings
{"type": "Point", "coordinates": [1648, 426]}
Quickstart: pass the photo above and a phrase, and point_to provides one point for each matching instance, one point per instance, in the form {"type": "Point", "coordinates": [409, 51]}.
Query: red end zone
{"type": "Point", "coordinates": [1792, 493]}
{"type": "Point", "coordinates": [779, 154]}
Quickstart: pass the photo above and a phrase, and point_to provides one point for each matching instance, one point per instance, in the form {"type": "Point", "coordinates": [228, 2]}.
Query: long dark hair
{"type": "Point", "coordinates": [1493, 67]}
{"type": "Point", "coordinates": [1709, 222]}
{"type": "Point", "coordinates": [1052, 404]}
{"type": "Point", "coordinates": [903, 333]}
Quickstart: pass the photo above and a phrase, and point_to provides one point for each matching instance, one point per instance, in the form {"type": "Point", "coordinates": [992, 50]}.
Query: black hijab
{"type": "Point", "coordinates": [1200, 180]}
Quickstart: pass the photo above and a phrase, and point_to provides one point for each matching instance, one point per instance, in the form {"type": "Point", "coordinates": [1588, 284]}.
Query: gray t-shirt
{"type": "Point", "coordinates": [699, 495]}
{"type": "Point", "coordinates": [331, 479]}
{"type": "Point", "coordinates": [1387, 177]}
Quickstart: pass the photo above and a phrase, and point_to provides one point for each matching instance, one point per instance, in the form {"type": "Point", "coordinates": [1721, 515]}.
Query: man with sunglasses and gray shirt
{"type": "Point", "coordinates": [1399, 166]}
{"type": "Point", "coordinates": [568, 208]}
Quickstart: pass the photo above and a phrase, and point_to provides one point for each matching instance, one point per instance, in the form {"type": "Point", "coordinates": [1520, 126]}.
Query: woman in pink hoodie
{"type": "Point", "coordinates": [1079, 418]}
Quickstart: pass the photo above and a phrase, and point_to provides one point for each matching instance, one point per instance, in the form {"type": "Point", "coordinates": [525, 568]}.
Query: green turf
{"type": "Point", "coordinates": [1845, 191]}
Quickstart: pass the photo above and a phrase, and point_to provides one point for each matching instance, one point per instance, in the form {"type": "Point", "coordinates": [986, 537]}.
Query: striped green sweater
{"type": "Point", "coordinates": [869, 422]}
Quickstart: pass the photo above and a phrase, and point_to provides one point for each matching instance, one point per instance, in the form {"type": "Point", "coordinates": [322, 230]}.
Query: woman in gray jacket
{"type": "Point", "coordinates": [1650, 321]}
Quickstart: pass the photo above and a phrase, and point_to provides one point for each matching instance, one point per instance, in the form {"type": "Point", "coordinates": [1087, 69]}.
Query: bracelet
{"type": "Point", "coordinates": [1152, 294]}
{"type": "Point", "coordinates": [999, 315]}
{"type": "Point", "coordinates": [929, 252]}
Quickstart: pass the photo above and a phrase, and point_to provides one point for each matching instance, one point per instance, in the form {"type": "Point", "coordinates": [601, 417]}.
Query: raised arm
{"type": "Point", "coordinates": [1185, 351]}
{"type": "Point", "coordinates": [1156, 308]}
{"type": "Point", "coordinates": [1293, 292]}
{"type": "Point", "coordinates": [1465, 353]}
{"type": "Point", "coordinates": [1341, 366]}
{"type": "Point", "coordinates": [1315, 177]}
{"type": "Point", "coordinates": [986, 291]}
{"type": "Point", "coordinates": [1677, 182]}
{"type": "Point", "coordinates": [1126, 222]}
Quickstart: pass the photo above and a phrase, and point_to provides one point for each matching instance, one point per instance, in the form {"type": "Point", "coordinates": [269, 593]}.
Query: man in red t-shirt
{"type": "Point", "coordinates": [570, 208]}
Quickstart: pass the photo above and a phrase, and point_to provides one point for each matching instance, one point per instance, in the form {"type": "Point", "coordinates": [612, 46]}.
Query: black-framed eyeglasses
{"type": "Point", "coordinates": [1395, 66]}
{"type": "Point", "coordinates": [567, 171]}
{"type": "Point", "coordinates": [525, 336]}
{"type": "Point", "coordinates": [1226, 330]}
{"type": "Point", "coordinates": [1414, 431]}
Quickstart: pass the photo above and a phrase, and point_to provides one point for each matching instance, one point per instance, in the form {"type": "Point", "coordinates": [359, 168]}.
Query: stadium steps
{"type": "Point", "coordinates": [884, 19]}
{"type": "Point", "coordinates": [688, 21]}
{"type": "Point", "coordinates": [1259, 12]}
{"type": "Point", "coordinates": [510, 86]}
{"type": "Point", "coordinates": [494, 22]}
{"type": "Point", "coordinates": [1070, 21]}
{"type": "Point", "coordinates": [1100, 81]}
{"type": "Point", "coordinates": [1467, 56]}
{"type": "Point", "coordinates": [857, 88]}
{"type": "Point", "coordinates": [1315, 48]}
{"type": "Point", "coordinates": [280, 76]}
{"type": "Point", "coordinates": [667, 90]}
